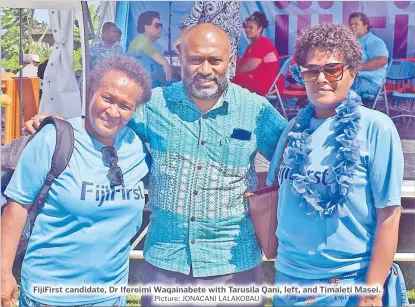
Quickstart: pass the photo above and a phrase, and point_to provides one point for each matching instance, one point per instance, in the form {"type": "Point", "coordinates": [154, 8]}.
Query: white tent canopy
{"type": "Point", "coordinates": [28, 4]}
{"type": "Point", "coordinates": [60, 90]}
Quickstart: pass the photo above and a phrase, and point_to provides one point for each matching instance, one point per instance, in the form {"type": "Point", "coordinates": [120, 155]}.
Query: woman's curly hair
{"type": "Point", "coordinates": [336, 39]}
{"type": "Point", "coordinates": [260, 19]}
{"type": "Point", "coordinates": [124, 64]}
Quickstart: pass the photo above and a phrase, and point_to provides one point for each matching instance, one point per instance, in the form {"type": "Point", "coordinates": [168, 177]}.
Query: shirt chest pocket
{"type": "Point", "coordinates": [236, 153]}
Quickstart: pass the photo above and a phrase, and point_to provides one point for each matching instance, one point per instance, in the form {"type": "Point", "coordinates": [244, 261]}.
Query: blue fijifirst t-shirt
{"type": "Point", "coordinates": [310, 248]}
{"type": "Point", "coordinates": [82, 233]}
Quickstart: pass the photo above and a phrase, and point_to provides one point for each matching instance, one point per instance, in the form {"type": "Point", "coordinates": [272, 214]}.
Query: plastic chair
{"type": "Point", "coordinates": [287, 92]}
{"type": "Point", "coordinates": [402, 73]}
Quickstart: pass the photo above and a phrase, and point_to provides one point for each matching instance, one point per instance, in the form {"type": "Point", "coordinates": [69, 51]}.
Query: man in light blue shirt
{"type": "Point", "coordinates": [375, 56]}
{"type": "Point", "coordinates": [107, 46]}
{"type": "Point", "coordinates": [204, 134]}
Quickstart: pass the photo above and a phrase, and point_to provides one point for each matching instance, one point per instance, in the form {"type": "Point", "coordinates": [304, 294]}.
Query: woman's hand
{"type": "Point", "coordinates": [8, 289]}
{"type": "Point", "coordinates": [370, 301]}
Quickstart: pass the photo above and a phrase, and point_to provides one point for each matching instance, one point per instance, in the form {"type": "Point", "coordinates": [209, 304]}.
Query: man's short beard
{"type": "Point", "coordinates": [221, 81]}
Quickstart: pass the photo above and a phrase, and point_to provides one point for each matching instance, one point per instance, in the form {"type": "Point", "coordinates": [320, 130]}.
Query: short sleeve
{"type": "Point", "coordinates": [149, 49]}
{"type": "Point", "coordinates": [377, 48]}
{"type": "Point", "coordinates": [269, 126]}
{"type": "Point", "coordinates": [261, 49]}
{"type": "Point", "coordinates": [139, 122]}
{"type": "Point", "coordinates": [279, 150]}
{"type": "Point", "coordinates": [386, 165]}
{"type": "Point", "coordinates": [32, 168]}
{"type": "Point", "coordinates": [142, 45]}
{"type": "Point", "coordinates": [118, 49]}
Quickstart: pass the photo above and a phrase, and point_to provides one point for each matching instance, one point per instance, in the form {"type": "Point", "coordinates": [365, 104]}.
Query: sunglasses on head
{"type": "Point", "coordinates": [332, 72]}
{"type": "Point", "coordinates": [244, 25]}
{"type": "Point", "coordinates": [110, 156]}
{"type": "Point", "coordinates": [158, 25]}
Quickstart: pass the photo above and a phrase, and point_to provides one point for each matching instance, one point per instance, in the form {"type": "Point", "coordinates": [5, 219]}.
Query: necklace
{"type": "Point", "coordinates": [345, 152]}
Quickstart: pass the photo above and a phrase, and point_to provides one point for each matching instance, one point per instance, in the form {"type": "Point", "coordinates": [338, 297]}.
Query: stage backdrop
{"type": "Point", "coordinates": [393, 21]}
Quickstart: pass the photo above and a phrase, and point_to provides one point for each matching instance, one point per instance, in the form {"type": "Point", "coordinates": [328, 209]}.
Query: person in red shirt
{"type": "Point", "coordinates": [259, 66]}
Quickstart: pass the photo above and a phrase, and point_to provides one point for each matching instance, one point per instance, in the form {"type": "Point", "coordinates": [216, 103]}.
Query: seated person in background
{"type": "Point", "coordinates": [31, 63]}
{"type": "Point", "coordinates": [149, 27]}
{"type": "Point", "coordinates": [119, 34]}
{"type": "Point", "coordinates": [107, 46]}
{"type": "Point", "coordinates": [375, 56]}
{"type": "Point", "coordinates": [259, 65]}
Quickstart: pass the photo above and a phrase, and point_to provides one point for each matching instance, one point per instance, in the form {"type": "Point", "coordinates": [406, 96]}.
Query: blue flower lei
{"type": "Point", "coordinates": [345, 152]}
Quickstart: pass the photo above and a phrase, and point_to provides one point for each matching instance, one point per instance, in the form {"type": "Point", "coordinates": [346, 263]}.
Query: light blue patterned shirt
{"type": "Point", "coordinates": [100, 51]}
{"type": "Point", "coordinates": [199, 173]}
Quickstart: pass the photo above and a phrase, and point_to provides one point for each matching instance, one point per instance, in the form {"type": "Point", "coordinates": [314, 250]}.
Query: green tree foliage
{"type": "Point", "coordinates": [10, 33]}
{"type": "Point", "coordinates": [77, 57]}
{"type": "Point", "coordinates": [11, 37]}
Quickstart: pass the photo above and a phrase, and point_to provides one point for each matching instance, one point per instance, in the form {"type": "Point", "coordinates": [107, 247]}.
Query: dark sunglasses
{"type": "Point", "coordinates": [114, 174]}
{"type": "Point", "coordinates": [332, 72]}
{"type": "Point", "coordinates": [158, 25]}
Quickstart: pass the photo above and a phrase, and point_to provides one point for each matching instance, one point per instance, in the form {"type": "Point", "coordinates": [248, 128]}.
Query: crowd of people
{"type": "Point", "coordinates": [259, 66]}
{"type": "Point", "coordinates": [339, 167]}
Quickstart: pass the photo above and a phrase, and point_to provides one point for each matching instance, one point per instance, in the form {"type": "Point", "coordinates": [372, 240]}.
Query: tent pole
{"type": "Point", "coordinates": [85, 14]}
{"type": "Point", "coordinates": [21, 69]}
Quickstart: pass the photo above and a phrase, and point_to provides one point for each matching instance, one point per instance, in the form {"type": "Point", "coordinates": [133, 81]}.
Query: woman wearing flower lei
{"type": "Point", "coordinates": [340, 182]}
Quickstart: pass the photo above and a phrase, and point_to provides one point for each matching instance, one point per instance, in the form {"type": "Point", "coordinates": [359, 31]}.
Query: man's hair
{"type": "Point", "coordinates": [146, 19]}
{"type": "Point", "coordinates": [363, 17]}
{"type": "Point", "coordinates": [108, 25]}
{"type": "Point", "coordinates": [120, 63]}
{"type": "Point", "coordinates": [27, 59]}
{"type": "Point", "coordinates": [335, 39]}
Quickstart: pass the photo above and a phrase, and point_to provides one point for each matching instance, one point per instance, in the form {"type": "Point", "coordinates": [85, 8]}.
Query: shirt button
{"type": "Point", "coordinates": [203, 142]}
{"type": "Point", "coordinates": [195, 192]}
{"type": "Point", "coordinates": [192, 218]}
{"type": "Point", "coordinates": [193, 241]}
{"type": "Point", "coordinates": [199, 167]}
{"type": "Point", "coordinates": [204, 116]}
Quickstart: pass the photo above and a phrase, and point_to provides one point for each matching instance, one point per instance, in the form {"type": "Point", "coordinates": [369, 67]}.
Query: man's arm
{"type": "Point", "coordinates": [269, 127]}
{"type": "Point", "coordinates": [375, 63]}
{"type": "Point", "coordinates": [249, 65]}
{"type": "Point", "coordinates": [163, 62]}
{"type": "Point", "coordinates": [33, 124]}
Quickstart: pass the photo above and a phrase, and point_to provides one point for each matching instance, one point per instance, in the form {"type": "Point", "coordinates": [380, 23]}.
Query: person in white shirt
{"type": "Point", "coordinates": [31, 61]}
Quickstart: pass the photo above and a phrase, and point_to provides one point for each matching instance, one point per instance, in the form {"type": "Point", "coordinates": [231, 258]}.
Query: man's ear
{"type": "Point", "coordinates": [230, 60]}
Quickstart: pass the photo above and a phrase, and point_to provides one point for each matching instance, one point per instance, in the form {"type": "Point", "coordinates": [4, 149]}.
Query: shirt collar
{"type": "Point", "coordinates": [365, 36]}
